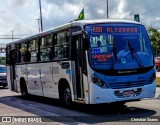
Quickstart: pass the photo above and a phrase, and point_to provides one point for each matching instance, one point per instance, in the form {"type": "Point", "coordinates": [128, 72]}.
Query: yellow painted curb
{"type": "Point", "coordinates": [158, 81]}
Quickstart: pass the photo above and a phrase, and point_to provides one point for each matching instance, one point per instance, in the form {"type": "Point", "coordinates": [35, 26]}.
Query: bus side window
{"type": "Point", "coordinates": [33, 50]}
{"type": "Point", "coordinates": [61, 48]}
{"type": "Point", "coordinates": [18, 53]}
{"type": "Point", "coordinates": [28, 54]}
{"type": "Point", "coordinates": [45, 48]}
{"type": "Point", "coordinates": [22, 49]}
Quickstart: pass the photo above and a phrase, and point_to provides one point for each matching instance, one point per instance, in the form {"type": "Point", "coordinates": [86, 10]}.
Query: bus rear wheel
{"type": "Point", "coordinates": [24, 91]}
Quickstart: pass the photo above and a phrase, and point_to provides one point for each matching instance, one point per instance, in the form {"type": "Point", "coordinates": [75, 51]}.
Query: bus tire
{"type": "Point", "coordinates": [24, 91]}
{"type": "Point", "coordinates": [66, 96]}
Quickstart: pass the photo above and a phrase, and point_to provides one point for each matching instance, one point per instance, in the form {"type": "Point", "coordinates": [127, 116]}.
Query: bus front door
{"type": "Point", "coordinates": [77, 55]}
{"type": "Point", "coordinates": [12, 69]}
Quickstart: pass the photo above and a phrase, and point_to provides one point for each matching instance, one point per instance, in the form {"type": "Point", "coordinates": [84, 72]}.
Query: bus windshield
{"type": "Point", "coordinates": [119, 46]}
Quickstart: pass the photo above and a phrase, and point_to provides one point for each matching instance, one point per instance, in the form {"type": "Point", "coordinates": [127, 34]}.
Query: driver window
{"type": "Point", "coordinates": [99, 43]}
{"type": "Point", "coordinates": [103, 42]}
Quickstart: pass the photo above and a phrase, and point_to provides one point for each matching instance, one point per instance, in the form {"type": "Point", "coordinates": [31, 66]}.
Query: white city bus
{"type": "Point", "coordinates": [79, 62]}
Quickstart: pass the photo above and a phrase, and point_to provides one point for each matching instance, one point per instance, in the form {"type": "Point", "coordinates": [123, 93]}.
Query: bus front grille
{"type": "Point", "coordinates": [122, 85]}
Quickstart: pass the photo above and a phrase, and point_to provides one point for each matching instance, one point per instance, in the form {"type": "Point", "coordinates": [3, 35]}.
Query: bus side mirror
{"type": "Point", "coordinates": [86, 43]}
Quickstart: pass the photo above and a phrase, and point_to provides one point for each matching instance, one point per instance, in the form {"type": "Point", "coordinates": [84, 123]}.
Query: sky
{"type": "Point", "coordinates": [20, 16]}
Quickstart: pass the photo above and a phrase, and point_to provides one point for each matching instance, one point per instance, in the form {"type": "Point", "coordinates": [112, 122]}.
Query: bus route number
{"type": "Point", "coordinates": [97, 29]}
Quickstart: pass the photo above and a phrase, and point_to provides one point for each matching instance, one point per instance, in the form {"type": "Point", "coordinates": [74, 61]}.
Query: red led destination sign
{"type": "Point", "coordinates": [101, 57]}
{"type": "Point", "coordinates": [115, 29]}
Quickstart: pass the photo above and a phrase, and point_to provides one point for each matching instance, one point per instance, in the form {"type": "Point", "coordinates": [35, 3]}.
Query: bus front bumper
{"type": "Point", "coordinates": [99, 95]}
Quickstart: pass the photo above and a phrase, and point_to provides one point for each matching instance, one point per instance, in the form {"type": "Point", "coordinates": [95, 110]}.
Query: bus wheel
{"type": "Point", "coordinates": [67, 99]}
{"type": "Point", "coordinates": [24, 91]}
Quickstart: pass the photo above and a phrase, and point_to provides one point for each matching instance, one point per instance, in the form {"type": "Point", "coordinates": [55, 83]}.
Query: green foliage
{"type": "Point", "coordinates": [3, 60]}
{"type": "Point", "coordinates": [154, 36]}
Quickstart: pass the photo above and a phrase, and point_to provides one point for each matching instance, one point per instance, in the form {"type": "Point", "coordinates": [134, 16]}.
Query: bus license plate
{"type": "Point", "coordinates": [128, 92]}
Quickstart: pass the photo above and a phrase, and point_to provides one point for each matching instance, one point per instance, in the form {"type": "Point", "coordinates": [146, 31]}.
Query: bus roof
{"type": "Point", "coordinates": [80, 23]}
{"type": "Point", "coordinates": [85, 22]}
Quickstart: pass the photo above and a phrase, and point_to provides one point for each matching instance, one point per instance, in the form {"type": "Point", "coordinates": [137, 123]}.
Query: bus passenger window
{"type": "Point", "coordinates": [18, 53]}
{"type": "Point", "coordinates": [61, 48]}
{"type": "Point", "coordinates": [45, 48]}
{"type": "Point", "coordinates": [22, 52]}
{"type": "Point", "coordinates": [33, 50]}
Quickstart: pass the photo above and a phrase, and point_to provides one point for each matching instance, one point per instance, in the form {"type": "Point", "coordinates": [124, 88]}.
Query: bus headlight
{"type": "Point", "coordinates": [94, 79]}
{"type": "Point", "coordinates": [152, 78]}
{"type": "Point", "coordinates": [98, 82]}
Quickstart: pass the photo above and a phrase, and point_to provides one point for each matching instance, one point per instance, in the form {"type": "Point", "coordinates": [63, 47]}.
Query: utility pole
{"type": "Point", "coordinates": [107, 8]}
{"type": "Point", "coordinates": [40, 15]}
{"type": "Point", "coordinates": [39, 29]}
{"type": "Point", "coordinates": [12, 34]}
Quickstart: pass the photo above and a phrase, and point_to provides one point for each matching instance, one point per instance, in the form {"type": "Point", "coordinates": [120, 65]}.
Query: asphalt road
{"type": "Point", "coordinates": [52, 112]}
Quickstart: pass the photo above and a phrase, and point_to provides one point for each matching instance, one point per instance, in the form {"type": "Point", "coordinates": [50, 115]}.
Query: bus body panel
{"type": "Point", "coordinates": [48, 86]}
{"type": "Point", "coordinates": [34, 79]}
{"type": "Point", "coordinates": [43, 79]}
{"type": "Point", "coordinates": [86, 89]}
{"type": "Point", "coordinates": [59, 72]}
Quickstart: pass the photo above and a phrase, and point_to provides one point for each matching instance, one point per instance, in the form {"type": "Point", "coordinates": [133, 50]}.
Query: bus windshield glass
{"type": "Point", "coordinates": [119, 46]}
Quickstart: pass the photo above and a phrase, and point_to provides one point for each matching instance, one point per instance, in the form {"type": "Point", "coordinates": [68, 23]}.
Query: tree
{"type": "Point", "coordinates": [3, 60]}
{"type": "Point", "coordinates": [154, 37]}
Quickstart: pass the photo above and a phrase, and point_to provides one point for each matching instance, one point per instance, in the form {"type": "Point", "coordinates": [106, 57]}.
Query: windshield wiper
{"type": "Point", "coordinates": [114, 55]}
{"type": "Point", "coordinates": [134, 54]}
{"type": "Point", "coordinates": [114, 51]}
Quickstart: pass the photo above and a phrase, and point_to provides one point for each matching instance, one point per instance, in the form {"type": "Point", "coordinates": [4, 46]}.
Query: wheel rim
{"type": "Point", "coordinates": [67, 96]}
